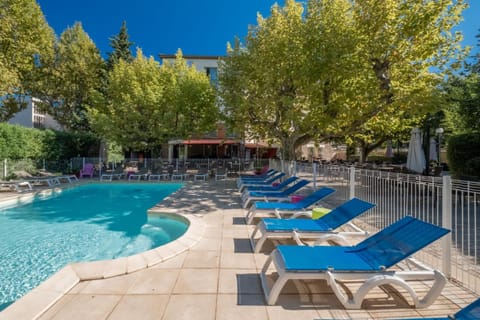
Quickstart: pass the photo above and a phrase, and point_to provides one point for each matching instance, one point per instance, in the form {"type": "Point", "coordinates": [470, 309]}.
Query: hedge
{"type": "Point", "coordinates": [463, 153]}
{"type": "Point", "coordinates": [17, 142]}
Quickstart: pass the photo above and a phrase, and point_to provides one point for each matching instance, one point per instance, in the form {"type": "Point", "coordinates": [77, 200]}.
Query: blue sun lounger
{"type": "Point", "coordinates": [277, 207]}
{"type": "Point", "coordinates": [249, 197]}
{"type": "Point", "coordinates": [245, 184]}
{"type": "Point", "coordinates": [470, 312]}
{"type": "Point", "coordinates": [321, 229]}
{"type": "Point", "coordinates": [264, 175]}
{"type": "Point", "coordinates": [278, 187]}
{"type": "Point", "coordinates": [369, 261]}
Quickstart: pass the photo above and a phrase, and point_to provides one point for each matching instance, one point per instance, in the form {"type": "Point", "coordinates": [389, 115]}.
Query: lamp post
{"type": "Point", "coordinates": [439, 132]}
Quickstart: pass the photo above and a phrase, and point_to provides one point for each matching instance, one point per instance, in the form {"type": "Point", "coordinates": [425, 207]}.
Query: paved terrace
{"type": "Point", "coordinates": [217, 278]}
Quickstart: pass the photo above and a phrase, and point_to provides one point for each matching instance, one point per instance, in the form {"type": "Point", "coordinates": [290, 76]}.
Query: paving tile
{"type": "Point", "coordinates": [237, 281]}
{"type": "Point", "coordinates": [296, 307]}
{"type": "Point", "coordinates": [143, 307]}
{"type": "Point", "coordinates": [233, 260]}
{"type": "Point", "coordinates": [240, 307]}
{"type": "Point", "coordinates": [207, 244]}
{"type": "Point", "coordinates": [191, 306]}
{"type": "Point", "coordinates": [202, 259]}
{"type": "Point", "coordinates": [31, 305]}
{"type": "Point", "coordinates": [78, 287]}
{"type": "Point", "coordinates": [135, 263]}
{"type": "Point", "coordinates": [50, 313]}
{"type": "Point", "coordinates": [114, 285]}
{"type": "Point", "coordinates": [154, 281]}
{"type": "Point", "coordinates": [193, 281]}
{"type": "Point", "coordinates": [172, 263]}
{"type": "Point", "coordinates": [88, 306]}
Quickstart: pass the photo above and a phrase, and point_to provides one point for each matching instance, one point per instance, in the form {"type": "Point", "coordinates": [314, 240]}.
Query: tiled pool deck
{"type": "Point", "coordinates": [214, 277]}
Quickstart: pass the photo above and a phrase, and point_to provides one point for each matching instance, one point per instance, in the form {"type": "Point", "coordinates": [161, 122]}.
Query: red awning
{"type": "Point", "coordinates": [210, 141]}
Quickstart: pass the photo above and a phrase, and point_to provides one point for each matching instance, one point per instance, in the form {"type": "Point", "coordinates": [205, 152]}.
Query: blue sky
{"type": "Point", "coordinates": [197, 27]}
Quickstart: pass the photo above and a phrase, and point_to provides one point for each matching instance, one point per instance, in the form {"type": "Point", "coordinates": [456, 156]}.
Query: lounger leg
{"type": "Point", "coordinates": [257, 246]}
{"type": "Point", "coordinates": [271, 294]}
{"type": "Point", "coordinates": [250, 214]}
{"type": "Point", "coordinates": [379, 280]}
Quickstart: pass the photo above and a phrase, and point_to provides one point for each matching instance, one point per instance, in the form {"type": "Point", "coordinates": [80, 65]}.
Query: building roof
{"type": "Point", "coordinates": [189, 57]}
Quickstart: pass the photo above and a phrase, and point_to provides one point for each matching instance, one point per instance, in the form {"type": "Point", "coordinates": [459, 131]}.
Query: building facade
{"type": "Point", "coordinates": [33, 117]}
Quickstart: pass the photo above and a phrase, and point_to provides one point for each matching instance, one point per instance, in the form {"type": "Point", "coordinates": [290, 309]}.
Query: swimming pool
{"type": "Point", "coordinates": [86, 223]}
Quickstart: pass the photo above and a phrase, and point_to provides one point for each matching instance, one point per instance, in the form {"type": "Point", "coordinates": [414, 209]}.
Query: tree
{"type": "Point", "coordinates": [148, 104]}
{"type": "Point", "coordinates": [463, 92]}
{"type": "Point", "coordinates": [261, 83]}
{"type": "Point", "coordinates": [353, 70]}
{"type": "Point", "coordinates": [399, 43]}
{"type": "Point", "coordinates": [25, 40]}
{"type": "Point", "coordinates": [121, 47]}
{"type": "Point", "coordinates": [72, 79]}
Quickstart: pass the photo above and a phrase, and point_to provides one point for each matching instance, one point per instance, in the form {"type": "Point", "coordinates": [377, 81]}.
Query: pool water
{"type": "Point", "coordinates": [86, 223]}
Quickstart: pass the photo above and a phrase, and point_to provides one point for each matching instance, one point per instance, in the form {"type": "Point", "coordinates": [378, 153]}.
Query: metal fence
{"type": "Point", "coordinates": [453, 204]}
{"type": "Point", "coordinates": [10, 168]}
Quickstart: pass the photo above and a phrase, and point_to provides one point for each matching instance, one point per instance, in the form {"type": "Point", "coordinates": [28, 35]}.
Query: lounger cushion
{"type": "Point", "coordinates": [285, 193]}
{"type": "Point", "coordinates": [305, 203]}
{"type": "Point", "coordinates": [321, 259]}
{"type": "Point", "coordinates": [304, 225]}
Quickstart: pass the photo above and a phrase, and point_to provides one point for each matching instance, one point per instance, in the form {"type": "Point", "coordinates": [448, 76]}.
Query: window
{"type": "Point", "coordinates": [39, 121]}
{"type": "Point", "coordinates": [212, 75]}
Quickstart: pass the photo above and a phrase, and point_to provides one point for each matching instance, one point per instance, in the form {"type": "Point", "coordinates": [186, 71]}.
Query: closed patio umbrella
{"type": "Point", "coordinates": [433, 154]}
{"type": "Point", "coordinates": [389, 151]}
{"type": "Point", "coordinates": [416, 157]}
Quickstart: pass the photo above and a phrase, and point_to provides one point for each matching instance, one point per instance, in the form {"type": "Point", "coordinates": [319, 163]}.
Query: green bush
{"type": "Point", "coordinates": [463, 153]}
{"type": "Point", "coordinates": [17, 142]}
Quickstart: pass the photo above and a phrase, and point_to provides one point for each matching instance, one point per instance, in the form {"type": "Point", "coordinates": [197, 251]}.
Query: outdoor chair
{"type": "Point", "coordinates": [87, 170]}
{"type": "Point", "coordinates": [18, 186]}
{"type": "Point", "coordinates": [277, 207]}
{"type": "Point", "coordinates": [201, 174]}
{"type": "Point", "coordinates": [321, 229]}
{"type": "Point", "coordinates": [220, 174]}
{"type": "Point", "coordinates": [369, 262]}
{"type": "Point", "coordinates": [249, 197]}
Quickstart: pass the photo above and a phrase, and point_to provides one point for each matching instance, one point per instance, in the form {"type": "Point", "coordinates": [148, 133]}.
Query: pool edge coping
{"type": "Point", "coordinates": [38, 300]}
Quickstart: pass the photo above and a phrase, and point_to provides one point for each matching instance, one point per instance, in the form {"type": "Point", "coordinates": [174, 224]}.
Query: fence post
{"type": "Point", "coordinates": [352, 182]}
{"type": "Point", "coordinates": [314, 172]}
{"type": "Point", "coordinates": [5, 168]}
{"type": "Point", "coordinates": [447, 223]}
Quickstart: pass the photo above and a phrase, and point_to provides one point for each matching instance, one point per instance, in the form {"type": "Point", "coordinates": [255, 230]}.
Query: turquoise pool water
{"type": "Point", "coordinates": [86, 223]}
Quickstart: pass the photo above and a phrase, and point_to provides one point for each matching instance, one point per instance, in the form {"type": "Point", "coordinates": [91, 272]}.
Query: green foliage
{"type": "Point", "coordinates": [463, 154]}
{"type": "Point", "coordinates": [353, 70]}
{"type": "Point", "coordinates": [17, 142]}
{"type": "Point", "coordinates": [72, 79]}
{"type": "Point", "coordinates": [121, 47]}
{"type": "Point", "coordinates": [262, 83]}
{"type": "Point", "coordinates": [463, 110]}
{"type": "Point", "coordinates": [148, 104]}
{"type": "Point", "coordinates": [25, 38]}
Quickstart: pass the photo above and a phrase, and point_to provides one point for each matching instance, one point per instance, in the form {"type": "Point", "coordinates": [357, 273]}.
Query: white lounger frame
{"type": "Point", "coordinates": [111, 176]}
{"type": "Point", "coordinates": [340, 238]}
{"type": "Point", "coordinates": [338, 279]}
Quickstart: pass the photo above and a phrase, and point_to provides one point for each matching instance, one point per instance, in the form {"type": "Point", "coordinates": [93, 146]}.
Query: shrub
{"type": "Point", "coordinates": [17, 142]}
{"type": "Point", "coordinates": [463, 153]}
